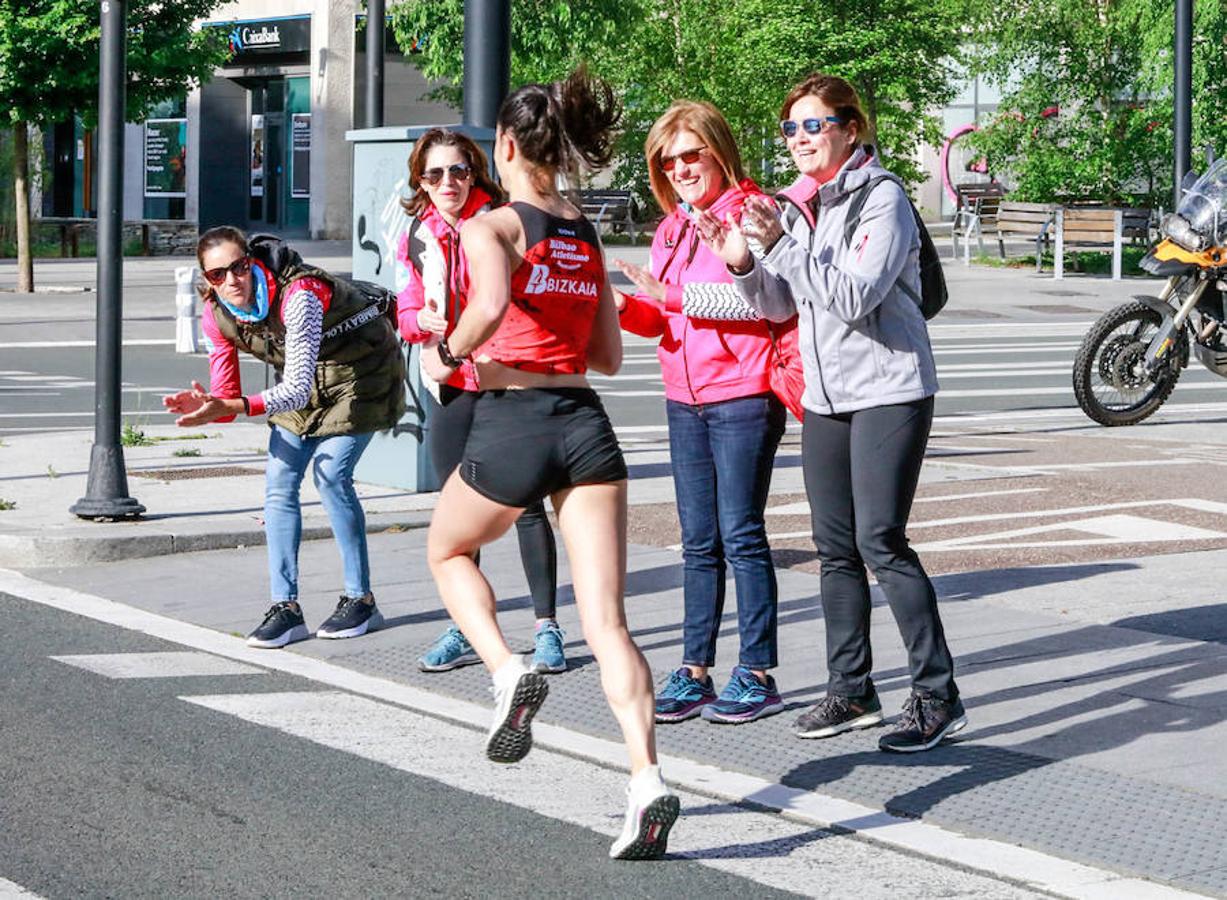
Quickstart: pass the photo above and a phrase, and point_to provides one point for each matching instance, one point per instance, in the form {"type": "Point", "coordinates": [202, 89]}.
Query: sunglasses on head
{"type": "Point", "coordinates": [459, 172]}
{"type": "Point", "coordinates": [689, 157]}
{"type": "Point", "coordinates": [239, 267]}
{"type": "Point", "coordinates": [788, 127]}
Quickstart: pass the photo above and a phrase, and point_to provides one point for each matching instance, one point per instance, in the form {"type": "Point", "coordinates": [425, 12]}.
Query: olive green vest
{"type": "Point", "coordinates": [359, 374]}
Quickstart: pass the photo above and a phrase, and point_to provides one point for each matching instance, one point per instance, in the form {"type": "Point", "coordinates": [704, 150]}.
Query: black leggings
{"type": "Point", "coordinates": [861, 471]}
{"type": "Point", "coordinates": [447, 435]}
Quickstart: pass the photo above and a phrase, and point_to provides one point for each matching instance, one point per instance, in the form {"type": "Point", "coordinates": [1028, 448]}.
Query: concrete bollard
{"type": "Point", "coordinates": [187, 332]}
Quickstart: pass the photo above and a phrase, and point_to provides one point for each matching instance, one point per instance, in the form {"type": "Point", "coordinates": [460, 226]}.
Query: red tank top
{"type": "Point", "coordinates": [554, 296]}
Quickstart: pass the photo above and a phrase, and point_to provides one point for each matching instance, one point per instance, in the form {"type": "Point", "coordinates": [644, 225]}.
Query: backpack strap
{"type": "Point", "coordinates": [856, 203]}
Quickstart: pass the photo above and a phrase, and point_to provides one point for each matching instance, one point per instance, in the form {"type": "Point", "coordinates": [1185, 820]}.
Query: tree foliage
{"type": "Point", "coordinates": [742, 55]}
{"type": "Point", "coordinates": [1086, 109]}
{"type": "Point", "coordinates": [49, 56]}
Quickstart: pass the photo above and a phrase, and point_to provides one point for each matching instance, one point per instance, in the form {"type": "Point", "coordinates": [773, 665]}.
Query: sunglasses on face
{"type": "Point", "coordinates": [460, 172]}
{"type": "Point", "coordinates": [239, 267]}
{"type": "Point", "coordinates": [788, 127]}
{"type": "Point", "coordinates": [689, 157]}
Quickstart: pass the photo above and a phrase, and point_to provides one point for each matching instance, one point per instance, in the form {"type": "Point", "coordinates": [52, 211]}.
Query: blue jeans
{"type": "Point", "coordinates": [722, 455]}
{"type": "Point", "coordinates": [334, 460]}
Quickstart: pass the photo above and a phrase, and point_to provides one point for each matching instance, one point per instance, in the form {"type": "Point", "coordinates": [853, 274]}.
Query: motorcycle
{"type": "Point", "coordinates": [1129, 362]}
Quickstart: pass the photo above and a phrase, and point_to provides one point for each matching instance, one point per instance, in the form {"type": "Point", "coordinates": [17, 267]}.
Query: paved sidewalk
{"type": "Point", "coordinates": [1097, 691]}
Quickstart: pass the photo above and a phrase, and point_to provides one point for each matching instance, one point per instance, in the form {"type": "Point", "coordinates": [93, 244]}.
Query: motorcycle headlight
{"type": "Point", "coordinates": [1178, 229]}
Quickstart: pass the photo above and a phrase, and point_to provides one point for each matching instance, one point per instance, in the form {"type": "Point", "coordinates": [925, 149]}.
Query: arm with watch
{"type": "Point", "coordinates": [488, 299]}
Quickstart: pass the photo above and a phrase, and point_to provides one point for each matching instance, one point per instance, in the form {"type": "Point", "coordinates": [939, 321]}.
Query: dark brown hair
{"type": "Point", "coordinates": [836, 93]}
{"type": "Point", "coordinates": [560, 125]}
{"type": "Point", "coordinates": [473, 155]}
{"type": "Point", "coordinates": [215, 237]}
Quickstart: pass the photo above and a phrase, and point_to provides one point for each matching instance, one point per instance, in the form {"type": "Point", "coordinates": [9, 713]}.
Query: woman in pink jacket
{"type": "Point", "coordinates": [451, 182]}
{"type": "Point", "coordinates": [724, 422]}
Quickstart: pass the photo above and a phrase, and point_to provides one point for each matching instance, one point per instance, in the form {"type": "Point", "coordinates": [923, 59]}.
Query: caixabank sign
{"type": "Point", "coordinates": [254, 39]}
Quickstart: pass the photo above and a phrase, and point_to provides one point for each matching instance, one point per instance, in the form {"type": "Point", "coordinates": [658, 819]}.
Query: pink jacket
{"type": "Point", "coordinates": [701, 360]}
{"type": "Point", "coordinates": [445, 245]}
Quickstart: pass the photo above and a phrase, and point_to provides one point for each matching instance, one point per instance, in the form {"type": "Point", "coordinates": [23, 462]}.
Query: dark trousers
{"type": "Point", "coordinates": [861, 471]}
{"type": "Point", "coordinates": [449, 430]}
{"type": "Point", "coordinates": [722, 455]}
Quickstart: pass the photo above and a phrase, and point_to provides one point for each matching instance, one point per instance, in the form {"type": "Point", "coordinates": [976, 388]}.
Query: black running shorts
{"type": "Point", "coordinates": [527, 444]}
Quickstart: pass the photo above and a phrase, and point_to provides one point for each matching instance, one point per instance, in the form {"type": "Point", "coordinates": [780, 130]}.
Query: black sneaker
{"type": "Point", "coordinates": [926, 721]}
{"type": "Point", "coordinates": [835, 714]}
{"type": "Point", "coordinates": [352, 617]}
{"type": "Point", "coordinates": [283, 624]}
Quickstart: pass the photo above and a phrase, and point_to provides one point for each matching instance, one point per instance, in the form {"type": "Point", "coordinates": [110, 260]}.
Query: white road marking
{"type": "Point", "coordinates": [973, 495]}
{"type": "Point", "coordinates": [999, 349]}
{"type": "Point", "coordinates": [632, 393]}
{"type": "Point", "coordinates": [1118, 529]}
{"type": "Point", "coordinates": [56, 345]}
{"type": "Point", "coordinates": [593, 797]}
{"type": "Point", "coordinates": [10, 890]}
{"type": "Point", "coordinates": [183, 664]}
{"type": "Point", "coordinates": [79, 415]}
{"type": "Point", "coordinates": [1041, 870]}
{"type": "Point", "coordinates": [646, 376]}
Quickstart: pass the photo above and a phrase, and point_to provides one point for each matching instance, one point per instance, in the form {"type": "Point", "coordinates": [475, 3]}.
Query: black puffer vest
{"type": "Point", "coordinates": [360, 371]}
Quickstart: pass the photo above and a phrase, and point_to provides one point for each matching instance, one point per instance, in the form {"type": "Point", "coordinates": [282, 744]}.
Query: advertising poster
{"type": "Point", "coordinates": [300, 156]}
{"type": "Point", "coordinates": [166, 158]}
{"type": "Point", "coordinates": [257, 155]}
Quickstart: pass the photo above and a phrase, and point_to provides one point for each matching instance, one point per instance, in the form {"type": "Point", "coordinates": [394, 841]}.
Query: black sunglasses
{"type": "Point", "coordinates": [788, 127]}
{"type": "Point", "coordinates": [239, 267]}
{"type": "Point", "coordinates": [460, 172]}
{"type": "Point", "coordinates": [689, 157]}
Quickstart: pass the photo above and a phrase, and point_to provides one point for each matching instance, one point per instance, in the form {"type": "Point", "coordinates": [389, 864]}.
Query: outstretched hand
{"type": "Point", "coordinates": [643, 279]}
{"type": "Point", "coordinates": [725, 239]}
{"type": "Point", "coordinates": [186, 401]}
{"type": "Point", "coordinates": [196, 406]}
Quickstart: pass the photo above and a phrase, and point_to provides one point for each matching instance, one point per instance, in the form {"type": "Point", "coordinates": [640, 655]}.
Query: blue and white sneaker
{"type": "Point", "coordinates": [451, 651]}
{"type": "Point", "coordinates": [283, 624]}
{"type": "Point", "coordinates": [548, 657]}
{"type": "Point", "coordinates": [683, 696]}
{"type": "Point", "coordinates": [744, 699]}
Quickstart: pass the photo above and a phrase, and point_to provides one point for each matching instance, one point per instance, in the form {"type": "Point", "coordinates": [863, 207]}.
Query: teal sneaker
{"type": "Point", "coordinates": [548, 657]}
{"type": "Point", "coordinates": [744, 699]}
{"type": "Point", "coordinates": [683, 696]}
{"type": "Point", "coordinates": [451, 651]}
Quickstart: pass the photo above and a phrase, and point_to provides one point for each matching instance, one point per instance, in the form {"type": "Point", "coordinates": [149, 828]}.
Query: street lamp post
{"type": "Point", "coordinates": [374, 63]}
{"type": "Point", "coordinates": [1182, 94]}
{"type": "Point", "coordinates": [106, 492]}
{"type": "Point", "coordinates": [487, 59]}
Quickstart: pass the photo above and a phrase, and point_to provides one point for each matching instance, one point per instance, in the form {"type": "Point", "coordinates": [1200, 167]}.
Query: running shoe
{"type": "Point", "coordinates": [744, 699]}
{"type": "Point", "coordinates": [683, 696]}
{"type": "Point", "coordinates": [450, 651]}
{"type": "Point", "coordinates": [548, 657]}
{"type": "Point", "coordinates": [353, 617]}
{"type": "Point", "coordinates": [835, 714]}
{"type": "Point", "coordinates": [518, 694]}
{"type": "Point", "coordinates": [925, 723]}
{"type": "Point", "coordinates": [651, 810]}
{"type": "Point", "coordinates": [283, 624]}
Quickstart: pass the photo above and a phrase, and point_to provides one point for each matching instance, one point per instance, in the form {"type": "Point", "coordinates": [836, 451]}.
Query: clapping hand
{"type": "Point", "coordinates": [430, 320]}
{"type": "Point", "coordinates": [725, 239]}
{"type": "Point", "coordinates": [196, 406]}
{"type": "Point", "coordinates": [644, 280]}
{"type": "Point", "coordinates": [432, 364]}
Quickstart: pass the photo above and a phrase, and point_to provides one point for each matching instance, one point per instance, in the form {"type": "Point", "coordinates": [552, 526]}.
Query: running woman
{"type": "Point", "coordinates": [450, 178]}
{"type": "Point", "coordinates": [540, 312]}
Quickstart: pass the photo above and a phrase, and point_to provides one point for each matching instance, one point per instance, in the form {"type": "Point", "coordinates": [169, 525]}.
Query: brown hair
{"type": "Point", "coordinates": [473, 154]}
{"type": "Point", "coordinates": [836, 93]}
{"type": "Point", "coordinates": [710, 125]}
{"type": "Point", "coordinates": [564, 124]}
{"type": "Point", "coordinates": [215, 237]}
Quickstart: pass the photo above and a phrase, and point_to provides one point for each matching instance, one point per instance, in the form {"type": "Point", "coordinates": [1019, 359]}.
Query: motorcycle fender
{"type": "Point", "coordinates": [1163, 308]}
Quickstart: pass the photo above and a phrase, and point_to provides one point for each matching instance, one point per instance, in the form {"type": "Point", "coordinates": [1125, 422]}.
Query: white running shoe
{"type": "Point", "coordinates": [651, 810]}
{"type": "Point", "coordinates": [518, 694]}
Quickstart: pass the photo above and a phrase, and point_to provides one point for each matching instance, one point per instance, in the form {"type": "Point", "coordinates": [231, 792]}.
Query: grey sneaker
{"type": "Point", "coordinates": [450, 651]}
{"type": "Point", "coordinates": [835, 714]}
{"type": "Point", "coordinates": [925, 723]}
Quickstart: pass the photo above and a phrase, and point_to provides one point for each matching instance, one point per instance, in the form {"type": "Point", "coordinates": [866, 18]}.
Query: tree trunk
{"type": "Point", "coordinates": [21, 198]}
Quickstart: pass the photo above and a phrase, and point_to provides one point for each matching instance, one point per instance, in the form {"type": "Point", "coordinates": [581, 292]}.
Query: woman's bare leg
{"type": "Point", "coordinates": [463, 522]}
{"type": "Point", "coordinates": [592, 519]}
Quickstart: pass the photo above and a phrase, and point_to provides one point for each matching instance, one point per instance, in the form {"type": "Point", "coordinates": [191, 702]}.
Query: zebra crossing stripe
{"type": "Point", "coordinates": [175, 664]}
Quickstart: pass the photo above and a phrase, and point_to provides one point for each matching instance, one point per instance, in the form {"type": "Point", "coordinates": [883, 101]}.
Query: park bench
{"type": "Point", "coordinates": [1098, 228]}
{"type": "Point", "coordinates": [617, 208]}
{"type": "Point", "coordinates": [1029, 221]}
{"type": "Point", "coordinates": [976, 214]}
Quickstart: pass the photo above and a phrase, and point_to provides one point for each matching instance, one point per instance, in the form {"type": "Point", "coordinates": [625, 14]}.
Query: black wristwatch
{"type": "Point", "coordinates": [445, 354]}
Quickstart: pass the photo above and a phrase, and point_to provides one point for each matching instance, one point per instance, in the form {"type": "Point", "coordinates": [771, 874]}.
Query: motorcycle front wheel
{"type": "Point", "coordinates": [1111, 382]}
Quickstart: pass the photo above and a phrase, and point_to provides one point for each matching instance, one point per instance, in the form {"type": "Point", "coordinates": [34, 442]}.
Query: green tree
{"type": "Point", "coordinates": [742, 55]}
{"type": "Point", "coordinates": [1086, 110]}
{"type": "Point", "coordinates": [49, 53]}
